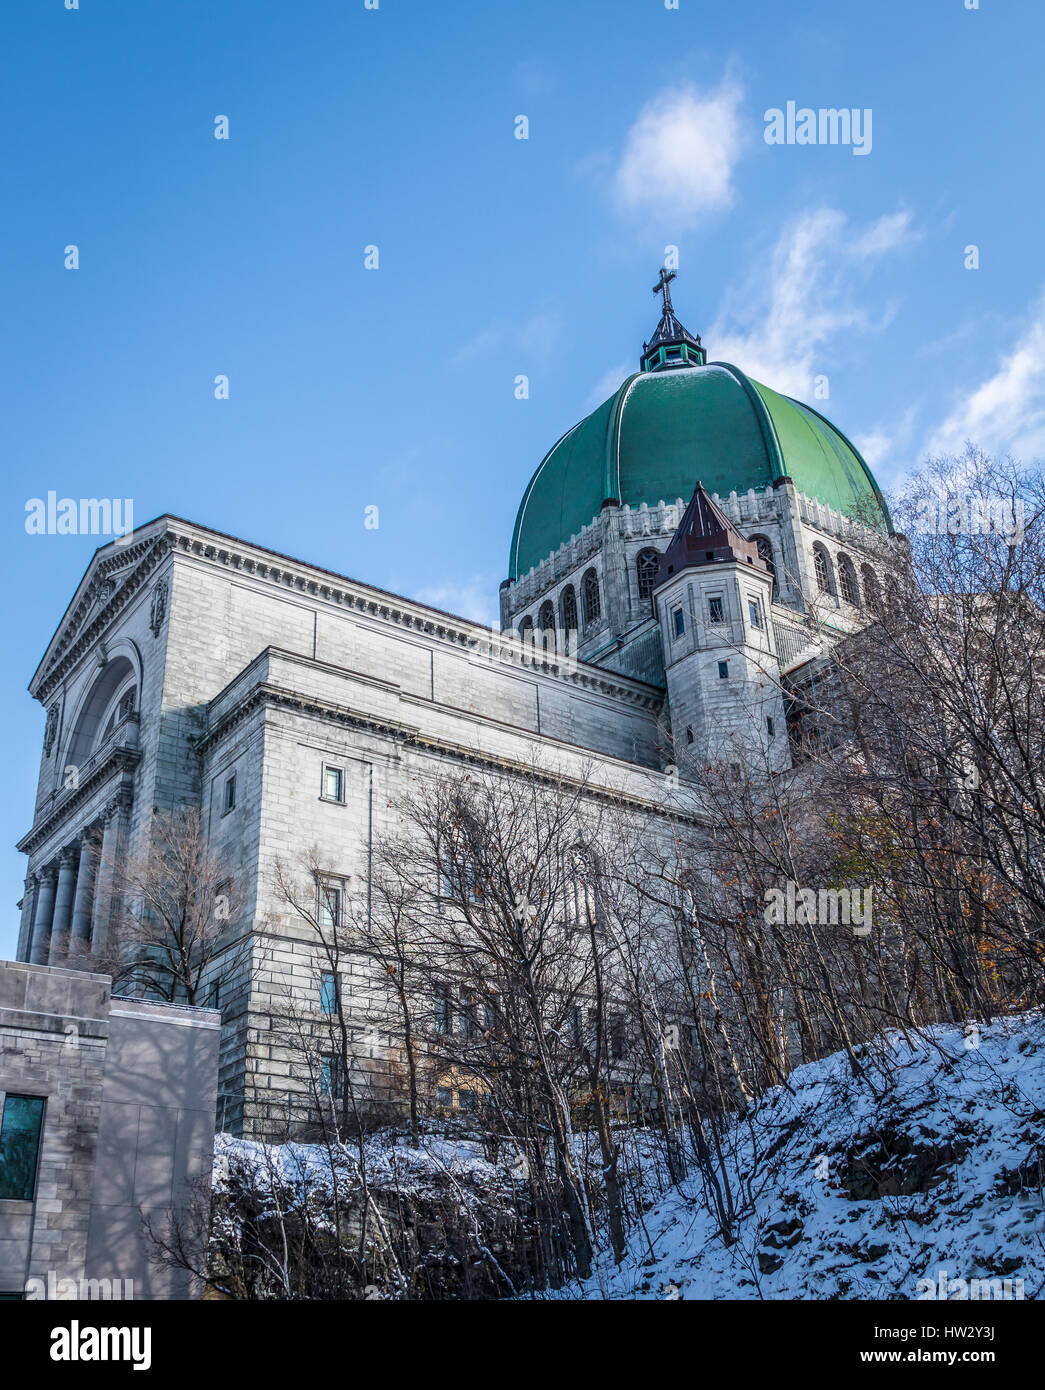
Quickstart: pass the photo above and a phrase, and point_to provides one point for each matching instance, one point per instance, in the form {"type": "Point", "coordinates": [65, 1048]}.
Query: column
{"type": "Point", "coordinates": [106, 894]}
{"type": "Point", "coordinates": [63, 906]}
{"type": "Point", "coordinates": [25, 930]}
{"type": "Point", "coordinates": [47, 879]}
{"type": "Point", "coordinates": [83, 902]}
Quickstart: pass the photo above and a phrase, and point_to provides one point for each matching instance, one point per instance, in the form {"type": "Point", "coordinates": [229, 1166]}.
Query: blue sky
{"type": "Point", "coordinates": [394, 388]}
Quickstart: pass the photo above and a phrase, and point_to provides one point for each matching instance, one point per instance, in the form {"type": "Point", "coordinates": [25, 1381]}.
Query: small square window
{"type": "Point", "coordinates": [678, 619]}
{"type": "Point", "coordinates": [333, 783]}
{"type": "Point", "coordinates": [229, 797]}
{"type": "Point", "coordinates": [723, 670]}
{"type": "Point", "coordinates": [715, 611]}
{"type": "Point", "coordinates": [468, 1100]}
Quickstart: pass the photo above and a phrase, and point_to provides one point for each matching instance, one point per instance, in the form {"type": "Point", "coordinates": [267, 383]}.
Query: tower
{"type": "Point", "coordinates": [713, 597]}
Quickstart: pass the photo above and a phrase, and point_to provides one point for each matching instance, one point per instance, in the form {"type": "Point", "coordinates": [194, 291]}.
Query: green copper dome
{"type": "Point", "coordinates": [663, 431]}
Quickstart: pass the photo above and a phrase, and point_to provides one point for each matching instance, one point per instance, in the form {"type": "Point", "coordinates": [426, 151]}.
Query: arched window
{"type": "Point", "coordinates": [546, 625]}
{"type": "Point", "coordinates": [822, 567]}
{"type": "Point", "coordinates": [113, 698]}
{"type": "Point", "coordinates": [872, 593]}
{"type": "Point", "coordinates": [568, 614]}
{"type": "Point", "coordinates": [765, 552]}
{"type": "Point", "coordinates": [847, 585]}
{"type": "Point", "coordinates": [526, 629]}
{"type": "Point", "coordinates": [592, 601]}
{"type": "Point", "coordinates": [646, 567]}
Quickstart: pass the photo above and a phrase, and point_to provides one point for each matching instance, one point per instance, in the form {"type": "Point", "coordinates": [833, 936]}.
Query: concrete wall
{"type": "Point", "coordinates": [129, 1123]}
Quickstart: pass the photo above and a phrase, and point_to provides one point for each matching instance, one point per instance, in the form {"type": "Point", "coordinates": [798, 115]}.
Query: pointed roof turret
{"type": "Point", "coordinates": [706, 536]}
{"type": "Point", "coordinates": [671, 345]}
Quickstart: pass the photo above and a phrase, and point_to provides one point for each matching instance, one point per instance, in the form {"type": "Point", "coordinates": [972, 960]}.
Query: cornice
{"type": "Point", "coordinates": [296, 577]}
{"type": "Point", "coordinates": [79, 630]}
{"type": "Point", "coordinates": [121, 759]}
{"type": "Point", "coordinates": [267, 696]}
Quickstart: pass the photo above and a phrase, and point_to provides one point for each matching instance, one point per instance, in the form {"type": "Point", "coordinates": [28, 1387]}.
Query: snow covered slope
{"type": "Point", "coordinates": [860, 1187]}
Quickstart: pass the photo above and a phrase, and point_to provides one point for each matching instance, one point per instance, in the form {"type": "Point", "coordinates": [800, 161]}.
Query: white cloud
{"type": "Point", "coordinates": [608, 383]}
{"type": "Point", "coordinates": [1006, 412]}
{"type": "Point", "coordinates": [538, 336]}
{"type": "Point", "coordinates": [474, 598]}
{"type": "Point", "coordinates": [780, 326]}
{"type": "Point", "coordinates": [680, 154]}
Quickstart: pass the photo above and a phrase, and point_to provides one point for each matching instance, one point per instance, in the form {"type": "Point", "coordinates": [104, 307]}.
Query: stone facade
{"type": "Point", "coordinates": [129, 1090]}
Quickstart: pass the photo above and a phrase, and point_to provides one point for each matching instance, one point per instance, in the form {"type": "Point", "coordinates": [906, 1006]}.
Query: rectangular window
{"type": "Point", "coordinates": [444, 1011]}
{"type": "Point", "coordinates": [333, 783]}
{"type": "Point", "coordinates": [332, 1075]}
{"type": "Point", "coordinates": [229, 799]}
{"type": "Point", "coordinates": [20, 1131]}
{"type": "Point", "coordinates": [715, 611]}
{"type": "Point", "coordinates": [329, 992]}
{"type": "Point", "coordinates": [467, 1022]}
{"type": "Point", "coordinates": [755, 613]}
{"type": "Point", "coordinates": [617, 1042]}
{"type": "Point", "coordinates": [444, 1096]}
{"type": "Point", "coordinates": [679, 620]}
{"type": "Point", "coordinates": [770, 726]}
{"type": "Point", "coordinates": [468, 1100]}
{"type": "Point", "coordinates": [723, 670]}
{"type": "Point", "coordinates": [329, 905]}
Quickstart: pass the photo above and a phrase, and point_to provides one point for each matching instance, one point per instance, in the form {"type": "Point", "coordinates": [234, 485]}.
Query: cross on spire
{"type": "Point", "coordinates": [661, 287]}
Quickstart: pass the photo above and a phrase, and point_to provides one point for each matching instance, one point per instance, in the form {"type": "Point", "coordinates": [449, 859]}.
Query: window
{"type": "Point", "coordinates": [872, 593]}
{"type": "Point", "coordinates": [468, 1100]}
{"type": "Point", "coordinates": [333, 783]}
{"type": "Point", "coordinates": [678, 621]}
{"type": "Point", "coordinates": [546, 623]}
{"type": "Point", "coordinates": [577, 1026]}
{"type": "Point", "coordinates": [646, 567]}
{"type": "Point", "coordinates": [126, 706]}
{"type": "Point", "coordinates": [770, 726]}
{"type": "Point", "coordinates": [765, 553]}
{"type": "Point", "coordinates": [526, 629]}
{"type": "Point", "coordinates": [332, 1075]}
{"type": "Point", "coordinates": [229, 797]}
{"type": "Point", "coordinates": [20, 1130]}
{"type": "Point", "coordinates": [716, 613]}
{"type": "Point", "coordinates": [444, 1010]}
{"type": "Point", "coordinates": [723, 670]}
{"type": "Point", "coordinates": [822, 567]}
{"type": "Point", "coordinates": [616, 1039]}
{"type": "Point", "coordinates": [689, 734]}
{"type": "Point", "coordinates": [330, 896]}
{"type": "Point", "coordinates": [329, 992]}
{"type": "Point", "coordinates": [847, 585]}
{"type": "Point", "coordinates": [754, 613]}
{"type": "Point", "coordinates": [592, 601]}
{"type": "Point", "coordinates": [568, 609]}
{"type": "Point", "coordinates": [444, 1096]}
{"type": "Point", "coordinates": [467, 1022]}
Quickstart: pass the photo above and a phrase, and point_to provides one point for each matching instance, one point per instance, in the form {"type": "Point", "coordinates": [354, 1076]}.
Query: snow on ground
{"type": "Point", "coordinates": [867, 1185]}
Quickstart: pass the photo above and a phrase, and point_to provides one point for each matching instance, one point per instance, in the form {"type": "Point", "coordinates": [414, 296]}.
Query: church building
{"type": "Point", "coordinates": [681, 559]}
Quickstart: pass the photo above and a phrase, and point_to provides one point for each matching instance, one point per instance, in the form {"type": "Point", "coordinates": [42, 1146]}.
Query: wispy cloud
{"type": "Point", "coordinates": [537, 335]}
{"type": "Point", "coordinates": [468, 598]}
{"type": "Point", "coordinates": [680, 155]}
{"type": "Point", "coordinates": [780, 325]}
{"type": "Point", "coordinates": [1006, 412]}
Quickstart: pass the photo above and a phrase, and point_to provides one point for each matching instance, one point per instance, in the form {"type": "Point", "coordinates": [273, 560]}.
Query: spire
{"type": "Point", "coordinates": [706, 536]}
{"type": "Point", "coordinates": [671, 345]}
